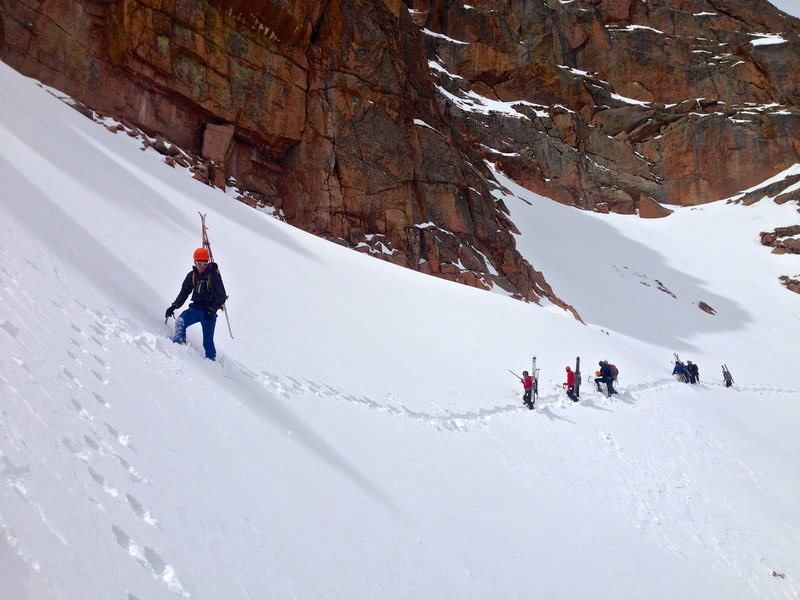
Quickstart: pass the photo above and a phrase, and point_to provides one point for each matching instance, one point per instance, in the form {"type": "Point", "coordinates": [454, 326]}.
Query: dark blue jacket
{"type": "Point", "coordinates": [207, 289]}
{"type": "Point", "coordinates": [680, 369]}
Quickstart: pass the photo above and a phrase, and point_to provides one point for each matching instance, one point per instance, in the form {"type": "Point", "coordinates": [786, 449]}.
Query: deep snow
{"type": "Point", "coordinates": [361, 436]}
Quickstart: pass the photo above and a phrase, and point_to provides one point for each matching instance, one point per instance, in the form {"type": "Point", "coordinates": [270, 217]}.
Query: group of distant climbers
{"type": "Point", "coordinates": [608, 373]}
{"type": "Point", "coordinates": [687, 373]}
{"type": "Point", "coordinates": [690, 372]}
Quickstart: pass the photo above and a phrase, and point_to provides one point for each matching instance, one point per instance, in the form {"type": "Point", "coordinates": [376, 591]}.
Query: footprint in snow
{"type": "Point", "coordinates": [151, 561]}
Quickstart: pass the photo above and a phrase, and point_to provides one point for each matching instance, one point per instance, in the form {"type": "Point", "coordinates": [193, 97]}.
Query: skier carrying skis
{"type": "Point", "coordinates": [607, 377]}
{"type": "Point", "coordinates": [692, 371]}
{"type": "Point", "coordinates": [680, 371]}
{"type": "Point", "coordinates": [570, 385]}
{"type": "Point", "coordinates": [726, 375]}
{"type": "Point", "coordinates": [527, 385]}
{"type": "Point", "coordinates": [204, 283]}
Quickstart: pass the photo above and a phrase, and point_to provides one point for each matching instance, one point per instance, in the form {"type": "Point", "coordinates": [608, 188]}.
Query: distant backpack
{"type": "Point", "coordinates": [614, 371]}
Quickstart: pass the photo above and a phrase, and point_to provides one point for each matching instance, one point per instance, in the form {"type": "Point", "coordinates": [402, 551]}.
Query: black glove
{"type": "Point", "coordinates": [209, 314]}
{"type": "Point", "coordinates": [170, 311]}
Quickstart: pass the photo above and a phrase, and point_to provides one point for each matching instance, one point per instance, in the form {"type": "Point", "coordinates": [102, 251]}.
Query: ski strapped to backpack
{"type": "Point", "coordinates": [534, 386]}
{"type": "Point", "coordinates": [207, 246]}
{"type": "Point", "coordinates": [726, 375]}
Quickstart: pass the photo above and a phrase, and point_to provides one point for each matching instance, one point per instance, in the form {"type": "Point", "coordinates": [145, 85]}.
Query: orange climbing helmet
{"type": "Point", "coordinates": [201, 254]}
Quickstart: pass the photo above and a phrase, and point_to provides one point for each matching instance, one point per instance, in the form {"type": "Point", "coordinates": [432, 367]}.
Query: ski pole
{"type": "Point", "coordinates": [515, 375]}
{"type": "Point", "coordinates": [227, 320]}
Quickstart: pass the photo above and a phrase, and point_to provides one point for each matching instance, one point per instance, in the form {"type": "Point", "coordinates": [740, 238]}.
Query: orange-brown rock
{"type": "Point", "coordinates": [783, 240]}
{"type": "Point", "coordinates": [325, 110]}
{"type": "Point", "coordinates": [792, 284]}
{"type": "Point", "coordinates": [217, 142]}
{"type": "Point", "coordinates": [650, 209]}
{"type": "Point", "coordinates": [681, 102]}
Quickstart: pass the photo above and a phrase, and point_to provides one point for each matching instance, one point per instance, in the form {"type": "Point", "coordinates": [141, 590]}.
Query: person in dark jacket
{"type": "Point", "coordinates": [693, 371]}
{"type": "Point", "coordinates": [204, 283]}
{"type": "Point", "coordinates": [607, 377]}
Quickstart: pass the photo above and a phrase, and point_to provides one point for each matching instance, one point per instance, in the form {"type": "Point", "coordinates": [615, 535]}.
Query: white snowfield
{"type": "Point", "coordinates": [361, 437]}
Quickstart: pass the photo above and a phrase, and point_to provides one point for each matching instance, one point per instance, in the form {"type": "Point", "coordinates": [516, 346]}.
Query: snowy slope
{"type": "Point", "coordinates": [361, 436]}
{"type": "Point", "coordinates": [647, 277]}
{"type": "Point", "coordinates": [790, 7]}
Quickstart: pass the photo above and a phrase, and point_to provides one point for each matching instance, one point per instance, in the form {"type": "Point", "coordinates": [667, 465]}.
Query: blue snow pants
{"type": "Point", "coordinates": [188, 318]}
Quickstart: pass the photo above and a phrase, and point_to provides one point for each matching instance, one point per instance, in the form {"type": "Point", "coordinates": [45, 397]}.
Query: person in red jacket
{"type": "Point", "coordinates": [571, 385]}
{"type": "Point", "coordinates": [527, 385]}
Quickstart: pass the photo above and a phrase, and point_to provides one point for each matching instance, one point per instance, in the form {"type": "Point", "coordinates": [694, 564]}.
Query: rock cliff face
{"type": "Point", "coordinates": [371, 122]}
{"type": "Point", "coordinates": [679, 102]}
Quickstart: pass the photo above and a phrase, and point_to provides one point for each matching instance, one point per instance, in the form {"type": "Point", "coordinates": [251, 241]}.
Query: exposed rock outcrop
{"type": "Point", "coordinates": [706, 308]}
{"type": "Point", "coordinates": [370, 122]}
{"type": "Point", "coordinates": [792, 283]}
{"type": "Point", "coordinates": [325, 110]}
{"type": "Point", "coordinates": [784, 240]}
{"type": "Point", "coordinates": [609, 102]}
